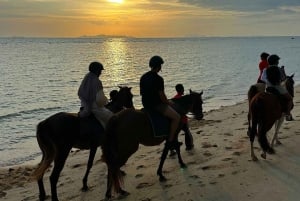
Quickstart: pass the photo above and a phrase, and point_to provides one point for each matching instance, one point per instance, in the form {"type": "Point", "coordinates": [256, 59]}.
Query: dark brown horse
{"type": "Point", "coordinates": [129, 128]}
{"type": "Point", "coordinates": [60, 132]}
{"type": "Point", "coordinates": [265, 110]}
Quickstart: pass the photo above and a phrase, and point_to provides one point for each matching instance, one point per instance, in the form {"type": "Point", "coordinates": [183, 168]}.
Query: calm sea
{"type": "Point", "coordinates": [40, 76]}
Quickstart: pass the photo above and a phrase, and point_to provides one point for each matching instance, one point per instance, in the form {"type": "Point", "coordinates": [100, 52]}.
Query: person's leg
{"type": "Point", "coordinates": [102, 115]}
{"type": "Point", "coordinates": [189, 144]}
{"type": "Point", "coordinates": [175, 120]}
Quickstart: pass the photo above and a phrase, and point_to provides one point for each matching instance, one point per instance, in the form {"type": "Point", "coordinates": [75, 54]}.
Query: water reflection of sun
{"type": "Point", "coordinates": [116, 1]}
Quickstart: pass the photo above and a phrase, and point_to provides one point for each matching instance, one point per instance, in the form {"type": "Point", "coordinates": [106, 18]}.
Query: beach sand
{"type": "Point", "coordinates": [219, 168]}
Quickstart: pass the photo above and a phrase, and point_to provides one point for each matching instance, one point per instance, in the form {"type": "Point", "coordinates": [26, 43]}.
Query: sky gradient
{"type": "Point", "coordinates": [149, 18]}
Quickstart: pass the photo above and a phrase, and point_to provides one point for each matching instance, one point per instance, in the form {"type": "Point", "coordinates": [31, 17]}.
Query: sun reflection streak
{"type": "Point", "coordinates": [119, 63]}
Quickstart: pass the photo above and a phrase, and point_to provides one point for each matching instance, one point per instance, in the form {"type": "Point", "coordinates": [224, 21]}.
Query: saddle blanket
{"type": "Point", "coordinates": [160, 124]}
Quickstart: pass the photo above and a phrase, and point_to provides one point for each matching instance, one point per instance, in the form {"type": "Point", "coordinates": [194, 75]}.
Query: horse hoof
{"type": "Point", "coordinates": [84, 189]}
{"type": "Point", "coordinates": [264, 156]}
{"type": "Point", "coordinates": [183, 166]}
{"type": "Point", "coordinates": [271, 151]}
{"type": "Point", "coordinates": [278, 142]}
{"type": "Point", "coordinates": [123, 194]}
{"type": "Point", "coordinates": [254, 158]}
{"type": "Point", "coordinates": [162, 179]}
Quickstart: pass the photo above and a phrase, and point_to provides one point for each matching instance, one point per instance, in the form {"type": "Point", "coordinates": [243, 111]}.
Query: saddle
{"type": "Point", "coordinates": [160, 124]}
{"type": "Point", "coordinates": [283, 101]}
{"type": "Point", "coordinates": [90, 126]}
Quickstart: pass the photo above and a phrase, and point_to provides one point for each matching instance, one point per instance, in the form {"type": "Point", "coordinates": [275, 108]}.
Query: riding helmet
{"type": "Point", "coordinates": [95, 67]}
{"type": "Point", "coordinates": [273, 59]}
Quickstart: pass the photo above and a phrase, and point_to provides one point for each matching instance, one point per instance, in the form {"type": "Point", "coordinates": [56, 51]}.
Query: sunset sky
{"type": "Point", "coordinates": [149, 18]}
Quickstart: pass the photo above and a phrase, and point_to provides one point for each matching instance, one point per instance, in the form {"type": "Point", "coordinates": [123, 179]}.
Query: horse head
{"type": "Point", "coordinates": [196, 108]}
{"type": "Point", "coordinates": [125, 97]}
{"type": "Point", "coordinates": [289, 84]}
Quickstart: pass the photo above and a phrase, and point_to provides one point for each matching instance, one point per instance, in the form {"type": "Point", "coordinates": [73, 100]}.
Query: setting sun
{"type": "Point", "coordinates": [115, 1]}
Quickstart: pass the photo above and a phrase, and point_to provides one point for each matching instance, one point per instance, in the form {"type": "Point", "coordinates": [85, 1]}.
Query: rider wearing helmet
{"type": "Point", "coordinates": [154, 98]}
{"type": "Point", "coordinates": [92, 96]}
{"type": "Point", "coordinates": [273, 76]}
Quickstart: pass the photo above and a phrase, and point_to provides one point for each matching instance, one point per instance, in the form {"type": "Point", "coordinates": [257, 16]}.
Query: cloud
{"type": "Point", "coordinates": [243, 5]}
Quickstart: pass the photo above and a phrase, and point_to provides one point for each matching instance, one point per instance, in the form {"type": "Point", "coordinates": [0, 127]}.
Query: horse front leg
{"type": "Point", "coordinates": [278, 124]}
{"type": "Point", "coordinates": [93, 151]}
{"type": "Point", "coordinates": [166, 149]}
{"type": "Point", "coordinates": [182, 164]}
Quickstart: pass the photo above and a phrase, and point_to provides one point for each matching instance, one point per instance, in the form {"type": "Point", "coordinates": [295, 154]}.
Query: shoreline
{"type": "Point", "coordinates": [219, 168]}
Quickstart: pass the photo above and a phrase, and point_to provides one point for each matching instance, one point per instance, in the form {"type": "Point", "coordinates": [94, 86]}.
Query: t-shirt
{"type": "Point", "coordinates": [150, 85]}
{"type": "Point", "coordinates": [262, 65]}
{"type": "Point", "coordinates": [184, 117]}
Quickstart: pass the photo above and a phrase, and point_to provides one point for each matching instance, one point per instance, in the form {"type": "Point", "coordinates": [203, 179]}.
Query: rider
{"type": "Point", "coordinates": [273, 77]}
{"type": "Point", "coordinates": [185, 127]}
{"type": "Point", "coordinates": [154, 98]}
{"type": "Point", "coordinates": [262, 65]}
{"type": "Point", "coordinates": [92, 96]}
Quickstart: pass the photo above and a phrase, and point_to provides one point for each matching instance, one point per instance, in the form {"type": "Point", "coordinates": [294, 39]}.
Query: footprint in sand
{"type": "Point", "coordinates": [139, 175]}
{"type": "Point", "coordinates": [194, 176]}
{"type": "Point", "coordinates": [207, 154]}
{"type": "Point", "coordinates": [143, 185]}
{"type": "Point", "coordinates": [140, 166]}
{"type": "Point", "coordinates": [226, 159]}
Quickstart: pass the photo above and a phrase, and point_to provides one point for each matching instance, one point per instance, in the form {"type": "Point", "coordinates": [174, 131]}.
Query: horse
{"type": "Point", "coordinates": [61, 132]}
{"type": "Point", "coordinates": [129, 128]}
{"type": "Point", "coordinates": [264, 112]}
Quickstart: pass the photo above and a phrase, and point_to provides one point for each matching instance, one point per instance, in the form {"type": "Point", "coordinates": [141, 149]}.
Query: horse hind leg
{"type": "Point", "coordinates": [263, 141]}
{"type": "Point", "coordinates": [59, 163]}
{"type": "Point", "coordinates": [252, 132]}
{"type": "Point", "coordinates": [277, 125]}
{"type": "Point", "coordinates": [92, 154]}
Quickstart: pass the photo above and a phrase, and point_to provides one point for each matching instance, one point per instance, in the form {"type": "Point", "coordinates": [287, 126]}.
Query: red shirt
{"type": "Point", "coordinates": [184, 118]}
{"type": "Point", "coordinates": [262, 65]}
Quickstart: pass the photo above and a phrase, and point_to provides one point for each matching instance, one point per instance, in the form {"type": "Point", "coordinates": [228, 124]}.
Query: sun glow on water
{"type": "Point", "coordinates": [116, 1]}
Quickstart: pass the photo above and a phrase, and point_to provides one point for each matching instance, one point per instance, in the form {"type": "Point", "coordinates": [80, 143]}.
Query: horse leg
{"type": "Point", "coordinates": [263, 141]}
{"type": "Point", "coordinates": [161, 163]}
{"type": "Point", "coordinates": [108, 186]}
{"type": "Point", "coordinates": [278, 124]}
{"type": "Point", "coordinates": [42, 191]}
{"type": "Point", "coordinates": [59, 163]}
{"type": "Point", "coordinates": [252, 137]}
{"type": "Point", "coordinates": [182, 164]}
{"type": "Point", "coordinates": [93, 151]}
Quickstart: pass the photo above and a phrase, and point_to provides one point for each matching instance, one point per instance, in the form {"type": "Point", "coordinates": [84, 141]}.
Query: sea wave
{"type": "Point", "coordinates": [25, 112]}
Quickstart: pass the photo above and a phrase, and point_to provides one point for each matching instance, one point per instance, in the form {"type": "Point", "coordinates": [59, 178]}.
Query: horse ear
{"type": "Point", "coordinates": [120, 86]}
{"type": "Point", "coordinates": [129, 88]}
{"type": "Point", "coordinates": [201, 92]}
{"type": "Point", "coordinates": [191, 91]}
{"type": "Point", "coordinates": [292, 75]}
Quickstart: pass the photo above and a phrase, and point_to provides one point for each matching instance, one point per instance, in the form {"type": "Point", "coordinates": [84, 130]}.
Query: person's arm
{"type": "Point", "coordinates": [164, 98]}
{"type": "Point", "coordinates": [264, 76]}
{"type": "Point", "coordinates": [101, 99]}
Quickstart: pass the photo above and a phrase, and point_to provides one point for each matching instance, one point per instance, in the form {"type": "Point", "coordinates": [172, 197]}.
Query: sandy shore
{"type": "Point", "coordinates": [219, 168]}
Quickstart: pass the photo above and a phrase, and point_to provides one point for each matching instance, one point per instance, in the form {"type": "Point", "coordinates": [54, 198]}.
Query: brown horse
{"type": "Point", "coordinates": [129, 128]}
{"type": "Point", "coordinates": [265, 111]}
{"type": "Point", "coordinates": [60, 132]}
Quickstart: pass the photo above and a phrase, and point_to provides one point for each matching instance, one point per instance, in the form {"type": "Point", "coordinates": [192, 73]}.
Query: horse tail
{"type": "Point", "coordinates": [110, 154]}
{"type": "Point", "coordinates": [47, 147]}
{"type": "Point", "coordinates": [252, 92]}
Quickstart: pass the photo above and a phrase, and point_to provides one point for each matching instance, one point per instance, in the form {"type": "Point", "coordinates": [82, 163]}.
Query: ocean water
{"type": "Point", "coordinates": [40, 76]}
